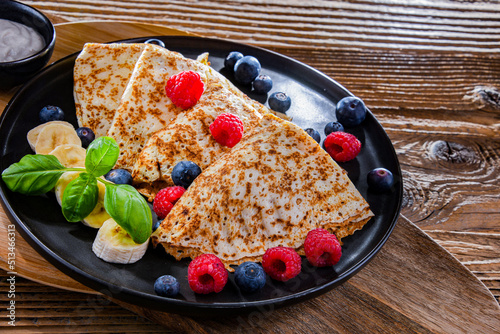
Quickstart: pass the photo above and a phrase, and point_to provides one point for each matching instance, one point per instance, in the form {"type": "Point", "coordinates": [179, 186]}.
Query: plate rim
{"type": "Point", "coordinates": [214, 307]}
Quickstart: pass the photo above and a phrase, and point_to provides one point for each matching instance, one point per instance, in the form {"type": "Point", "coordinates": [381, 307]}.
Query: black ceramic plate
{"type": "Point", "coordinates": [68, 245]}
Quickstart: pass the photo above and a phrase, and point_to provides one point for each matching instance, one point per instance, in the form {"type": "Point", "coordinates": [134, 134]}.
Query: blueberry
{"type": "Point", "coordinates": [246, 70]}
{"type": "Point", "coordinates": [184, 173]}
{"type": "Point", "coordinates": [155, 41]}
{"type": "Point", "coordinates": [86, 135]}
{"type": "Point", "coordinates": [350, 111]}
{"type": "Point", "coordinates": [119, 176]}
{"type": "Point", "coordinates": [250, 277]}
{"type": "Point", "coordinates": [380, 179]}
{"type": "Point", "coordinates": [333, 127]}
{"type": "Point", "coordinates": [51, 113]}
{"type": "Point", "coordinates": [231, 60]}
{"type": "Point", "coordinates": [313, 133]}
{"type": "Point", "coordinates": [167, 286]}
{"type": "Point", "coordinates": [262, 84]}
{"type": "Point", "coordinates": [156, 225]}
{"type": "Point", "coordinates": [279, 102]}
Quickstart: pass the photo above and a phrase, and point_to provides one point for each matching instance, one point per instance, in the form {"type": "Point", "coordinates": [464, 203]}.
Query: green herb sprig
{"type": "Point", "coordinates": [38, 174]}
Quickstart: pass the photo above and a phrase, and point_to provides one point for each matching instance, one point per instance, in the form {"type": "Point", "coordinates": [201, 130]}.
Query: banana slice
{"type": "Point", "coordinates": [112, 244]}
{"type": "Point", "coordinates": [53, 135]}
{"type": "Point", "coordinates": [62, 183]}
{"type": "Point", "coordinates": [99, 215]}
{"type": "Point", "coordinates": [33, 133]}
{"type": "Point", "coordinates": [70, 155]}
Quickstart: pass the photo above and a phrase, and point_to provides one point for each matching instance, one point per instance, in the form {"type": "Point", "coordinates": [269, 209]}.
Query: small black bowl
{"type": "Point", "coordinates": [16, 72]}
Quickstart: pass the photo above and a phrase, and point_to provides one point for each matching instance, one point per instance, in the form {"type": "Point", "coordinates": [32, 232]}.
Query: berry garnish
{"type": "Point", "coordinates": [51, 113]}
{"type": "Point", "coordinates": [119, 176]}
{"type": "Point", "coordinates": [185, 89]}
{"type": "Point", "coordinates": [314, 134]}
{"type": "Point", "coordinates": [246, 70]}
{"type": "Point", "coordinates": [262, 84]}
{"type": "Point", "coordinates": [167, 286]}
{"type": "Point", "coordinates": [380, 179]}
{"type": "Point", "coordinates": [333, 127]}
{"type": "Point", "coordinates": [342, 146]}
{"type": "Point", "coordinates": [161, 207]}
{"type": "Point", "coordinates": [322, 248]}
{"type": "Point", "coordinates": [86, 135]}
{"type": "Point", "coordinates": [350, 111]}
{"type": "Point", "coordinates": [227, 129]}
{"type": "Point", "coordinates": [250, 276]}
{"type": "Point", "coordinates": [279, 101]}
{"type": "Point", "coordinates": [184, 173]}
{"type": "Point", "coordinates": [165, 199]}
{"type": "Point", "coordinates": [206, 274]}
{"type": "Point", "coordinates": [281, 263]}
{"type": "Point", "coordinates": [172, 194]}
{"type": "Point", "coordinates": [231, 60]}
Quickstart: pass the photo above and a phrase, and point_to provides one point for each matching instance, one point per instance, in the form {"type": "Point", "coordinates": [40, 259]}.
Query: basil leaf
{"type": "Point", "coordinates": [33, 174]}
{"type": "Point", "coordinates": [80, 197]}
{"type": "Point", "coordinates": [130, 210]}
{"type": "Point", "coordinates": [102, 155]}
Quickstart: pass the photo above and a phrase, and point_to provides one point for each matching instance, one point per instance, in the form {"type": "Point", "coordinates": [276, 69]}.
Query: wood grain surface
{"type": "Point", "coordinates": [428, 70]}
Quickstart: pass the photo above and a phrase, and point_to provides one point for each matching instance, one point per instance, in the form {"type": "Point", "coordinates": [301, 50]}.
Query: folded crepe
{"type": "Point", "coordinates": [131, 105]}
{"type": "Point", "coordinates": [101, 74]}
{"type": "Point", "coordinates": [144, 107]}
{"type": "Point", "coordinates": [188, 136]}
{"type": "Point", "coordinates": [269, 190]}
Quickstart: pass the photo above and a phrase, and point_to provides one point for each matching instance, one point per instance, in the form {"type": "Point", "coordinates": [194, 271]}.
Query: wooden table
{"type": "Point", "coordinates": [429, 71]}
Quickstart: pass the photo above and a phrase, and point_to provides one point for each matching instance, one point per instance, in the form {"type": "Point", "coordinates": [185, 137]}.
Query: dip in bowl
{"type": "Point", "coordinates": [23, 56]}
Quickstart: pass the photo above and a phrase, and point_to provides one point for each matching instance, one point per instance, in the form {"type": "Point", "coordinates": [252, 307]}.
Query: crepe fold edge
{"type": "Point", "coordinates": [180, 252]}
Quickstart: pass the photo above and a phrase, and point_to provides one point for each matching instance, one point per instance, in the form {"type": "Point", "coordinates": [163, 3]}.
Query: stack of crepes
{"type": "Point", "coordinates": [119, 91]}
{"type": "Point", "coordinates": [269, 190]}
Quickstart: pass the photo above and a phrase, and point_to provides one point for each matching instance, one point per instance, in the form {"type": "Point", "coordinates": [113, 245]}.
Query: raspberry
{"type": "Point", "coordinates": [165, 200]}
{"type": "Point", "coordinates": [227, 129]}
{"type": "Point", "coordinates": [161, 206]}
{"type": "Point", "coordinates": [317, 231]}
{"type": "Point", "coordinates": [206, 274]}
{"type": "Point", "coordinates": [342, 146]}
{"type": "Point", "coordinates": [185, 89]}
{"type": "Point", "coordinates": [281, 263]}
{"type": "Point", "coordinates": [322, 248]}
